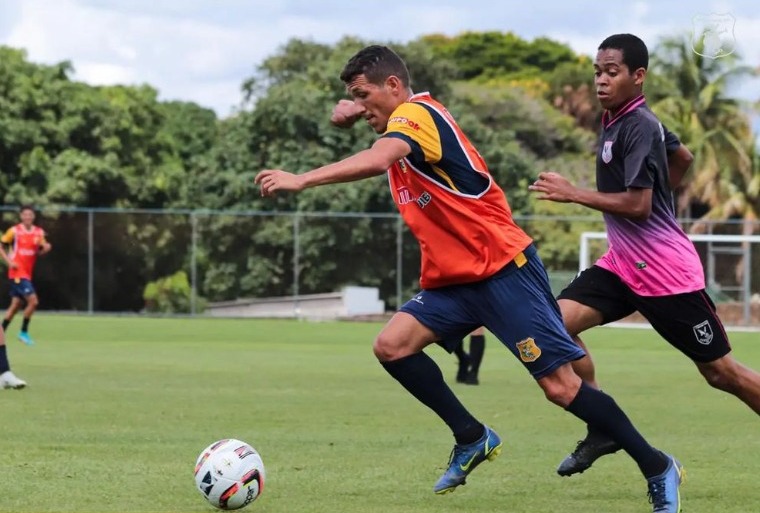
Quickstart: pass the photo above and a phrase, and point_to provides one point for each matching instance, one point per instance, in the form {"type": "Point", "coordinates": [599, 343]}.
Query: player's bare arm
{"type": "Point", "coordinates": [45, 247]}
{"type": "Point", "coordinates": [4, 256]}
{"type": "Point", "coordinates": [6, 259]}
{"type": "Point", "coordinates": [346, 113]}
{"type": "Point", "coordinates": [679, 163]}
{"type": "Point", "coordinates": [634, 203]}
{"type": "Point", "coordinates": [365, 164]}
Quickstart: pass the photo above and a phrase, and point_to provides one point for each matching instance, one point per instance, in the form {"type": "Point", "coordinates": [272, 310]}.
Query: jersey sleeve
{"type": "Point", "coordinates": [411, 122]}
{"type": "Point", "coordinates": [8, 236]}
{"type": "Point", "coordinates": [638, 141]}
{"type": "Point", "coordinates": [672, 143]}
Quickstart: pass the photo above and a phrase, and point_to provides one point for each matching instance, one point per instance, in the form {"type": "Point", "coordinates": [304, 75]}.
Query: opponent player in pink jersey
{"type": "Point", "coordinates": [651, 265]}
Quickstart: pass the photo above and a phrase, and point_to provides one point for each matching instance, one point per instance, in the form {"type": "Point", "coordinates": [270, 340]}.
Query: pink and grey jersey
{"type": "Point", "coordinates": [654, 257]}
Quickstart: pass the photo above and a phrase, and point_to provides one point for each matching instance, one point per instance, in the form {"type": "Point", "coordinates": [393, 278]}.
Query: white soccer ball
{"type": "Point", "coordinates": [230, 474]}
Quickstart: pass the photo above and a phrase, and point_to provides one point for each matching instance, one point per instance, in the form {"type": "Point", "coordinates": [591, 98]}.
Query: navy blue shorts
{"type": "Point", "coordinates": [21, 288]}
{"type": "Point", "coordinates": [516, 305]}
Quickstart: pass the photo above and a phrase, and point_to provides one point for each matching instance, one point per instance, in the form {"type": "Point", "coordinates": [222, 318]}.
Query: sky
{"type": "Point", "coordinates": [202, 50]}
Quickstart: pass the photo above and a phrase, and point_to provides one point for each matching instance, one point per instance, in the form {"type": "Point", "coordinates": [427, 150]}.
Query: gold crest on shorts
{"type": "Point", "coordinates": [529, 351]}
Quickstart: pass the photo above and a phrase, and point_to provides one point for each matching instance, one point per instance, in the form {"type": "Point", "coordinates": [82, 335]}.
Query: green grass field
{"type": "Point", "coordinates": [118, 409]}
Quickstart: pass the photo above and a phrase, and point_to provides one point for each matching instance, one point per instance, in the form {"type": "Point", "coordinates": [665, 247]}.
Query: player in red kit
{"type": "Point", "coordinates": [26, 241]}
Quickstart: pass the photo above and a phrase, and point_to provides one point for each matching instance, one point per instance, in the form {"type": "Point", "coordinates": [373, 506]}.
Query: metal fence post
{"type": "Point", "coordinates": [296, 263]}
{"type": "Point", "coordinates": [747, 283]}
{"type": "Point", "coordinates": [193, 263]}
{"type": "Point", "coordinates": [90, 261]}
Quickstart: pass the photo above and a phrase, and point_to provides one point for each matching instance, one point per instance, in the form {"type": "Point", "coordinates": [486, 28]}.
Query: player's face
{"type": "Point", "coordinates": [615, 83]}
{"type": "Point", "coordinates": [379, 101]}
{"type": "Point", "coordinates": [27, 217]}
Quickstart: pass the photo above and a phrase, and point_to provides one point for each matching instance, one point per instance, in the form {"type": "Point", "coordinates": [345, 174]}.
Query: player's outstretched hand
{"type": "Point", "coordinates": [553, 187]}
{"type": "Point", "coordinates": [346, 113]}
{"type": "Point", "coordinates": [273, 180]}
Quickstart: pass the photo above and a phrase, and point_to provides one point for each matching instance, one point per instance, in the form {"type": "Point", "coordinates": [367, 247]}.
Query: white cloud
{"type": "Point", "coordinates": [202, 50]}
{"type": "Point", "coordinates": [104, 74]}
{"type": "Point", "coordinates": [173, 54]}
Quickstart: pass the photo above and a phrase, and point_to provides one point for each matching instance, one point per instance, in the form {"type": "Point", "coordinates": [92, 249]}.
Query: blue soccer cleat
{"type": "Point", "coordinates": [24, 337]}
{"type": "Point", "coordinates": [663, 489]}
{"type": "Point", "coordinates": [464, 459]}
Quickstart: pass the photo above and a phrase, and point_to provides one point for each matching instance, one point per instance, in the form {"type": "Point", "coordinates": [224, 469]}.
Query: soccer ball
{"type": "Point", "coordinates": [229, 474]}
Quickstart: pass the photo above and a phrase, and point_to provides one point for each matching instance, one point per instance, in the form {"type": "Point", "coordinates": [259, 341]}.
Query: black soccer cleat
{"type": "Point", "coordinates": [588, 450]}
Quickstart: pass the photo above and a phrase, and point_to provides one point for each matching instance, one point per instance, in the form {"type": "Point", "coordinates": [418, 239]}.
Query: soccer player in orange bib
{"type": "Point", "coordinates": [478, 268]}
{"type": "Point", "coordinates": [27, 242]}
{"type": "Point", "coordinates": [7, 378]}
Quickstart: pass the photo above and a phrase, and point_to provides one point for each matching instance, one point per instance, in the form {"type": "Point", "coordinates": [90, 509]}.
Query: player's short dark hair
{"type": "Point", "coordinates": [635, 52]}
{"type": "Point", "coordinates": [26, 207]}
{"type": "Point", "coordinates": [377, 63]}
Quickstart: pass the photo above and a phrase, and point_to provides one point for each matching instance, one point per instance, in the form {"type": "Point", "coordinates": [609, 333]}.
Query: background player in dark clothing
{"type": "Point", "coordinates": [469, 363]}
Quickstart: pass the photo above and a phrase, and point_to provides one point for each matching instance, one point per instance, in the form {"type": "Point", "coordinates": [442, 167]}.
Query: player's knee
{"type": "Point", "coordinates": [721, 375]}
{"type": "Point", "coordinates": [560, 394]}
{"type": "Point", "coordinates": [561, 387]}
{"type": "Point", "coordinates": [32, 301]}
{"type": "Point", "coordinates": [387, 348]}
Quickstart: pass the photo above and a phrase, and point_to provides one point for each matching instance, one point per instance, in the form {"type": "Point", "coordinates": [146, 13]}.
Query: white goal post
{"type": "Point", "coordinates": [584, 256]}
{"type": "Point", "coordinates": [740, 245]}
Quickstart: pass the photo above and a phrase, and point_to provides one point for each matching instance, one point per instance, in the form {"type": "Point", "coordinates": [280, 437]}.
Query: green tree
{"type": "Point", "coordinates": [490, 54]}
{"type": "Point", "coordinates": [712, 124]}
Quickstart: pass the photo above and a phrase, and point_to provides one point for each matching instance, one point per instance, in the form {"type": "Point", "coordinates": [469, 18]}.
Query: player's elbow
{"type": "Point", "coordinates": [378, 164]}
{"type": "Point", "coordinates": [685, 157]}
{"type": "Point", "coordinates": [641, 211]}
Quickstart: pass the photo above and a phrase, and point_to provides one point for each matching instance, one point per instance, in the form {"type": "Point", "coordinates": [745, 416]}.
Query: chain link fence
{"type": "Point", "coordinates": [182, 261]}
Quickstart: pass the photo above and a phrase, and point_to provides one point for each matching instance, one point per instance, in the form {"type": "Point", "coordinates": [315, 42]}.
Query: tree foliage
{"type": "Point", "coordinates": [714, 125]}
{"type": "Point", "coordinates": [527, 106]}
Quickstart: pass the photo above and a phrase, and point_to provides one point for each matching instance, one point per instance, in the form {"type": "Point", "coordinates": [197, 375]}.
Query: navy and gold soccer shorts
{"type": "Point", "coordinates": [21, 288]}
{"type": "Point", "coordinates": [516, 305]}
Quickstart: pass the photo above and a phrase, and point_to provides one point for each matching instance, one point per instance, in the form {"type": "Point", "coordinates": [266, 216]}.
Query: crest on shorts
{"type": "Point", "coordinates": [607, 152]}
{"type": "Point", "coordinates": [529, 351]}
{"type": "Point", "coordinates": [712, 35]}
{"type": "Point", "coordinates": [704, 333]}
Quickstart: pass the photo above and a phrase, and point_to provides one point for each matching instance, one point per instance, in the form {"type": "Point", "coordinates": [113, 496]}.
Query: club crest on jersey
{"type": "Point", "coordinates": [607, 152]}
{"type": "Point", "coordinates": [704, 333]}
{"type": "Point", "coordinates": [529, 351]}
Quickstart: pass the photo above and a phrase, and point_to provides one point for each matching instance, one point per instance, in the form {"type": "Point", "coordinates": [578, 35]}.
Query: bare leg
{"type": "Point", "coordinates": [32, 301]}
{"type": "Point", "coordinates": [565, 388]}
{"type": "Point", "coordinates": [578, 318]}
{"type": "Point", "coordinates": [730, 376]}
{"type": "Point", "coordinates": [12, 309]}
{"type": "Point", "coordinates": [584, 367]}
